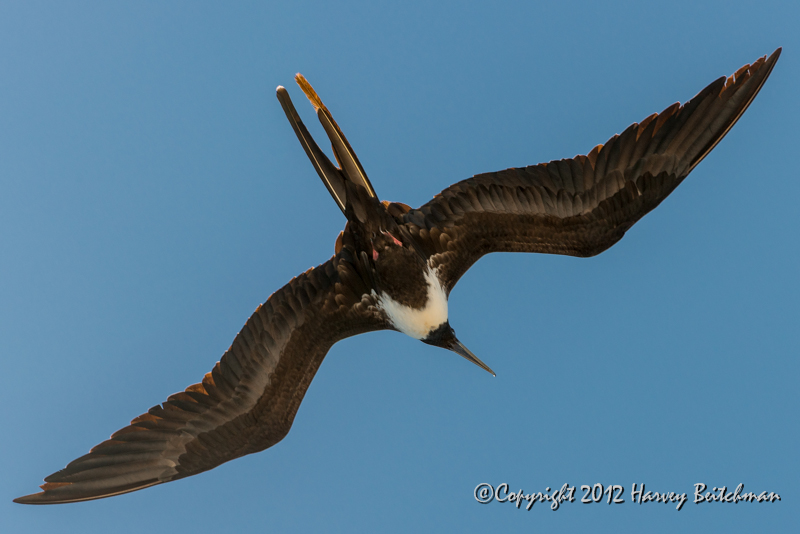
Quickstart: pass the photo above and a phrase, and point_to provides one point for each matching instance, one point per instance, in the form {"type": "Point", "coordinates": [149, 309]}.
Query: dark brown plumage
{"type": "Point", "coordinates": [583, 205]}
{"type": "Point", "coordinates": [245, 404]}
{"type": "Point", "coordinates": [579, 206]}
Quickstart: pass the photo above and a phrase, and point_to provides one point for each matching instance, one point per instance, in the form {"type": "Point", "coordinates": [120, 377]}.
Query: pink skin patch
{"type": "Point", "coordinates": [396, 242]}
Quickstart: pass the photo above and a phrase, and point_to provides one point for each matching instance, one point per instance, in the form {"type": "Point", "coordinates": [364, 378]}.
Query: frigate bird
{"type": "Point", "coordinates": [393, 268]}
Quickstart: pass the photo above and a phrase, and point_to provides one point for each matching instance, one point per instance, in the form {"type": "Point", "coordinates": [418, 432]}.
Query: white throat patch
{"type": "Point", "coordinates": [418, 323]}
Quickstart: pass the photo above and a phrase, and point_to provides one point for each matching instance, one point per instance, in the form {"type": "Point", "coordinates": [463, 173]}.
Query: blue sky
{"type": "Point", "coordinates": [152, 194]}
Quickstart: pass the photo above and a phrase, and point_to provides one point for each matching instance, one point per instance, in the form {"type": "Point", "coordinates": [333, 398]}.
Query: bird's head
{"type": "Point", "coordinates": [444, 336]}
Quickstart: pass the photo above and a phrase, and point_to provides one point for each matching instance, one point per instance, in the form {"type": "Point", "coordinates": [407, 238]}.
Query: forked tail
{"type": "Point", "coordinates": [349, 169]}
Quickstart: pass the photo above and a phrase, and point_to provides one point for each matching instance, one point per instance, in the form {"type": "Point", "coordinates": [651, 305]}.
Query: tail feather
{"type": "Point", "coordinates": [349, 169]}
{"type": "Point", "coordinates": [344, 153]}
{"type": "Point", "coordinates": [331, 176]}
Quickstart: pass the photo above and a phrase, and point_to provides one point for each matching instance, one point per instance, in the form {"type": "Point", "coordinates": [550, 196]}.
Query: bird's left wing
{"type": "Point", "coordinates": [583, 205]}
{"type": "Point", "coordinates": [245, 404]}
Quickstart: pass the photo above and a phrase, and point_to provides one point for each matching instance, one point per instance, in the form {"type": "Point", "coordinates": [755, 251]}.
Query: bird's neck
{"type": "Point", "coordinates": [418, 322]}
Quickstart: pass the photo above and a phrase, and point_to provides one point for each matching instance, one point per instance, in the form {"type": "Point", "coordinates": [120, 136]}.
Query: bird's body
{"type": "Point", "coordinates": [394, 268]}
{"type": "Point", "coordinates": [417, 322]}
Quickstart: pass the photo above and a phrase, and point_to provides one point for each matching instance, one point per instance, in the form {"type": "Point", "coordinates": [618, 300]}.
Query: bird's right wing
{"type": "Point", "coordinates": [245, 404]}
{"type": "Point", "coordinates": [583, 205]}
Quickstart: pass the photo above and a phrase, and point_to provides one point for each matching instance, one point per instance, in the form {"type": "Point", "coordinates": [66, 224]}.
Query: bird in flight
{"type": "Point", "coordinates": [394, 268]}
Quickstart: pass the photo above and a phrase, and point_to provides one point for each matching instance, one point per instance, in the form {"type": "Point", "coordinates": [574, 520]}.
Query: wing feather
{"type": "Point", "coordinates": [583, 205]}
{"type": "Point", "coordinates": [245, 404]}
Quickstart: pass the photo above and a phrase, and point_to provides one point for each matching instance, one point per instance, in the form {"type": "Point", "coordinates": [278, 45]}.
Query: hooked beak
{"type": "Point", "coordinates": [463, 351]}
{"type": "Point", "coordinates": [445, 337]}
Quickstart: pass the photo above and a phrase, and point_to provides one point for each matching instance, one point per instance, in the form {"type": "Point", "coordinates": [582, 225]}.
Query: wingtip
{"type": "Point", "coordinates": [45, 497]}
{"type": "Point", "coordinates": [36, 498]}
{"type": "Point", "coordinates": [33, 498]}
{"type": "Point", "coordinates": [773, 58]}
{"type": "Point", "coordinates": [67, 492]}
